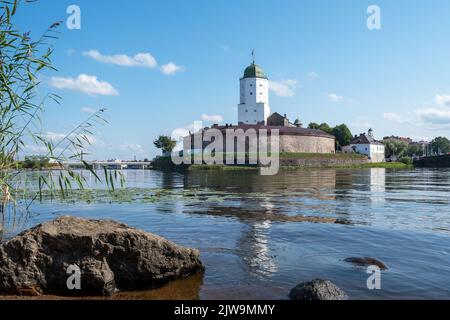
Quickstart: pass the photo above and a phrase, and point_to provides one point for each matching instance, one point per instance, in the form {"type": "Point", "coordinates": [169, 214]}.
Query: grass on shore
{"type": "Point", "coordinates": [337, 156]}
{"type": "Point", "coordinates": [222, 167]}
{"type": "Point", "coordinates": [386, 165]}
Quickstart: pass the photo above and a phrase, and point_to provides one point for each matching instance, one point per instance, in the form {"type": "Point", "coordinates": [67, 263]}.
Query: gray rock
{"type": "Point", "coordinates": [365, 262]}
{"type": "Point", "coordinates": [110, 255]}
{"type": "Point", "coordinates": [317, 289]}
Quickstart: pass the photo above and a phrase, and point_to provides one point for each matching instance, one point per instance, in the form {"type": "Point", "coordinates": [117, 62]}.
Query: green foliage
{"type": "Point", "coordinates": [343, 135]}
{"type": "Point", "coordinates": [440, 145]}
{"type": "Point", "coordinates": [395, 148]}
{"type": "Point", "coordinates": [313, 125]}
{"type": "Point", "coordinates": [165, 143]}
{"type": "Point", "coordinates": [324, 127]}
{"type": "Point", "coordinates": [414, 150]}
{"type": "Point", "coordinates": [341, 132]}
{"type": "Point", "coordinates": [35, 162]}
{"type": "Point", "coordinates": [406, 160]}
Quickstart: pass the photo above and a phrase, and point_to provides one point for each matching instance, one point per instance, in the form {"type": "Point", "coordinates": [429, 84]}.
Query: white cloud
{"type": "Point", "coordinates": [333, 97]}
{"type": "Point", "coordinates": [179, 133]}
{"type": "Point", "coordinates": [88, 110]}
{"type": "Point", "coordinates": [85, 84]}
{"type": "Point", "coordinates": [312, 75]}
{"type": "Point", "coordinates": [283, 88]}
{"type": "Point", "coordinates": [442, 100]}
{"type": "Point", "coordinates": [212, 118]}
{"type": "Point", "coordinates": [434, 116]}
{"type": "Point", "coordinates": [171, 68]}
{"type": "Point", "coordinates": [56, 137]}
{"type": "Point", "coordinates": [138, 60]}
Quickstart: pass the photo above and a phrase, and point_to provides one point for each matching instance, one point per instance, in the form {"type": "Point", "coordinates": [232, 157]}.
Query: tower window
{"type": "Point", "coordinates": [255, 110]}
{"type": "Point", "coordinates": [251, 93]}
{"type": "Point", "coordinates": [246, 110]}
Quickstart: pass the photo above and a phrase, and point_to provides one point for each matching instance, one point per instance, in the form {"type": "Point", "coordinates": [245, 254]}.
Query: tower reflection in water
{"type": "Point", "coordinates": [259, 202]}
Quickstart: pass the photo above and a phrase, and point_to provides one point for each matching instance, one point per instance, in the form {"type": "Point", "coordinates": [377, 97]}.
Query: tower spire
{"type": "Point", "coordinates": [253, 56]}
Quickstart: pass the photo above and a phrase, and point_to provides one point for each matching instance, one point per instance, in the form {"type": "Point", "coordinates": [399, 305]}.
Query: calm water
{"type": "Point", "coordinates": [244, 226]}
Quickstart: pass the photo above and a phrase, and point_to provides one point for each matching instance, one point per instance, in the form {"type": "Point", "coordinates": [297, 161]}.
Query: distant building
{"type": "Point", "coordinates": [254, 114]}
{"type": "Point", "coordinates": [276, 119]}
{"type": "Point", "coordinates": [367, 145]}
{"type": "Point", "coordinates": [404, 139]}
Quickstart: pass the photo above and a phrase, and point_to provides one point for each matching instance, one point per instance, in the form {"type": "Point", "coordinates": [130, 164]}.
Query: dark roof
{"type": "Point", "coordinates": [364, 138]}
{"type": "Point", "coordinates": [254, 71]}
{"type": "Point", "coordinates": [295, 131]}
{"type": "Point", "coordinates": [276, 114]}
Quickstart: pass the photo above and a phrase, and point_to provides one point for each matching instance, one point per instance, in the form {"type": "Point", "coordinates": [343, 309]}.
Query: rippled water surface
{"type": "Point", "coordinates": [255, 242]}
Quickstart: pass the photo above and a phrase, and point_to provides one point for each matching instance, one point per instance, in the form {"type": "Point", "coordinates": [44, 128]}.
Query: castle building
{"type": "Point", "coordinates": [254, 96]}
{"type": "Point", "coordinates": [254, 114]}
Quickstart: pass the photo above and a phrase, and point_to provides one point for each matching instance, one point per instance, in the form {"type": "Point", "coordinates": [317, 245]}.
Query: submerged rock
{"type": "Point", "coordinates": [365, 262]}
{"type": "Point", "coordinates": [110, 256]}
{"type": "Point", "coordinates": [317, 289]}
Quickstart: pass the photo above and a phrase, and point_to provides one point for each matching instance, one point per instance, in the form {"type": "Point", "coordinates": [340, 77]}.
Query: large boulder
{"type": "Point", "coordinates": [317, 289]}
{"type": "Point", "coordinates": [111, 256]}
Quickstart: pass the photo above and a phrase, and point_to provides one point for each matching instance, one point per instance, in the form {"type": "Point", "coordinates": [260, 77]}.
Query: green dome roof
{"type": "Point", "coordinates": [254, 71]}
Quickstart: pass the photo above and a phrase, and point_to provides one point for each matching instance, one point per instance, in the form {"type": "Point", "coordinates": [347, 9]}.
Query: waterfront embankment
{"type": "Point", "coordinates": [442, 161]}
{"type": "Point", "coordinates": [287, 161]}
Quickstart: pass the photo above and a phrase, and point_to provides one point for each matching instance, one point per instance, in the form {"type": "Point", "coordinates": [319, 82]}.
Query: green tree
{"type": "Point", "coordinates": [314, 126]}
{"type": "Point", "coordinates": [342, 134]}
{"type": "Point", "coordinates": [36, 162]}
{"type": "Point", "coordinates": [325, 128]}
{"type": "Point", "coordinates": [414, 150]}
{"type": "Point", "coordinates": [440, 145]}
{"type": "Point", "coordinates": [406, 160]}
{"type": "Point", "coordinates": [395, 148]}
{"type": "Point", "coordinates": [165, 143]}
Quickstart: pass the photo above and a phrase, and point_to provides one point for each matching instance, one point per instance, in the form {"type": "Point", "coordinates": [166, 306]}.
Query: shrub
{"type": "Point", "coordinates": [406, 160]}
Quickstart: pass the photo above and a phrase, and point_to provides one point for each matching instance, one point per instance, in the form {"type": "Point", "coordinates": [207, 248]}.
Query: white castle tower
{"type": "Point", "coordinates": [254, 103]}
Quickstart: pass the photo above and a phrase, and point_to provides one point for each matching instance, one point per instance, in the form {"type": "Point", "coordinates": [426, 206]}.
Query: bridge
{"type": "Point", "coordinates": [122, 165]}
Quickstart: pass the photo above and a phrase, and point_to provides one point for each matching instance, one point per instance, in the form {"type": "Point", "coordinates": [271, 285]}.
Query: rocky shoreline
{"type": "Point", "coordinates": [77, 257]}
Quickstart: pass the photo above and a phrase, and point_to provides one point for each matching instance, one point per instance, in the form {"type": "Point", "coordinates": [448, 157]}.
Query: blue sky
{"type": "Point", "coordinates": [324, 63]}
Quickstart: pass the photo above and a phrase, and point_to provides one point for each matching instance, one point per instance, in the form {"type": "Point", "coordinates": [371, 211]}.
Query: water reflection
{"type": "Point", "coordinates": [378, 179]}
{"type": "Point", "coordinates": [253, 248]}
{"type": "Point", "coordinates": [256, 239]}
